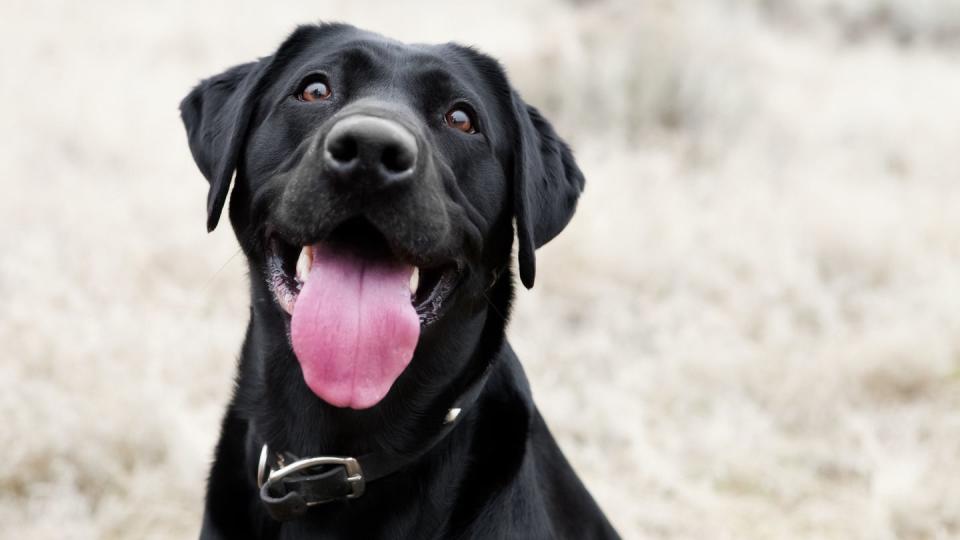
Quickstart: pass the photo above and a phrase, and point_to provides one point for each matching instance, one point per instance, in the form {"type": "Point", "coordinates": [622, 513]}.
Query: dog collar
{"type": "Point", "coordinates": [289, 485]}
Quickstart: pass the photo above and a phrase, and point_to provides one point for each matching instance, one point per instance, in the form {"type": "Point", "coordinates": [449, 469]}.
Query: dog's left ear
{"type": "Point", "coordinates": [217, 115]}
{"type": "Point", "coordinates": [546, 186]}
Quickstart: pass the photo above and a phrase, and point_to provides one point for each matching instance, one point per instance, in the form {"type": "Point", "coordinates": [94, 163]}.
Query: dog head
{"type": "Point", "coordinates": [375, 185]}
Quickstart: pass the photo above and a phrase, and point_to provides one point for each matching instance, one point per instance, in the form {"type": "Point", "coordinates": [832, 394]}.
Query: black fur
{"type": "Point", "coordinates": [499, 474]}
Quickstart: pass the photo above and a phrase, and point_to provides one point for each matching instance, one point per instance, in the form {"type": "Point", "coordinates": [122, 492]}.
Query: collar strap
{"type": "Point", "coordinates": [289, 485]}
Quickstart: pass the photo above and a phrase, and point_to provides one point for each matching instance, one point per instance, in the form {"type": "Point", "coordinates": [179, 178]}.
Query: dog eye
{"type": "Point", "coordinates": [314, 90]}
{"type": "Point", "coordinates": [460, 119]}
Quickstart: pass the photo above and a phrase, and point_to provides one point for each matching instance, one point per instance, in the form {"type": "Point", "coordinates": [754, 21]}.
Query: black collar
{"type": "Point", "coordinates": [289, 485]}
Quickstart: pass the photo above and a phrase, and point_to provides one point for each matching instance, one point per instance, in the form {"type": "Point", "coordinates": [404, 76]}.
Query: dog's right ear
{"type": "Point", "coordinates": [217, 115]}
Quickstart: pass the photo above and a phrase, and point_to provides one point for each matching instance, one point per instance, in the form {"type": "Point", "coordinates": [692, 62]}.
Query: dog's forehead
{"type": "Point", "coordinates": [374, 56]}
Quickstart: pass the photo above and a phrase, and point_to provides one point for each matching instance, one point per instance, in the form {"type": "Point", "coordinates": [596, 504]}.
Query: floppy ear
{"type": "Point", "coordinates": [546, 186]}
{"type": "Point", "coordinates": [217, 114]}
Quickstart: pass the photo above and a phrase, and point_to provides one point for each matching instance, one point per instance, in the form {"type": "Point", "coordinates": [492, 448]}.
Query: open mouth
{"type": "Point", "coordinates": [288, 267]}
{"type": "Point", "coordinates": [356, 310]}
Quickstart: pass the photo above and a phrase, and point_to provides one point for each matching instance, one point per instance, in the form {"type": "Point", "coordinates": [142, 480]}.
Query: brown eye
{"type": "Point", "coordinates": [315, 91]}
{"type": "Point", "coordinates": [460, 119]}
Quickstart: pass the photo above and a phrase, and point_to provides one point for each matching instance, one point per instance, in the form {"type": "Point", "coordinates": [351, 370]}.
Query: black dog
{"type": "Point", "coordinates": [376, 186]}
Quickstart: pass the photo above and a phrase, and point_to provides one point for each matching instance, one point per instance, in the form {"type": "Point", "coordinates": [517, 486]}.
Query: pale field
{"type": "Point", "coordinates": [750, 330]}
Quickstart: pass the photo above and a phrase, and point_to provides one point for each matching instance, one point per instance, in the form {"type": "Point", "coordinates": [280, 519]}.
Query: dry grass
{"type": "Point", "coordinates": [750, 330]}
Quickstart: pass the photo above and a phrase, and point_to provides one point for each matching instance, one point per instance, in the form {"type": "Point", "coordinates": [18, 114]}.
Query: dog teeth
{"type": "Point", "coordinates": [304, 262]}
{"type": "Point", "coordinates": [287, 301]}
{"type": "Point", "coordinates": [414, 281]}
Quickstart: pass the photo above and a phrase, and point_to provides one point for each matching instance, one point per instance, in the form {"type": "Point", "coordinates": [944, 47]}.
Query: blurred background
{"type": "Point", "coordinates": [751, 328]}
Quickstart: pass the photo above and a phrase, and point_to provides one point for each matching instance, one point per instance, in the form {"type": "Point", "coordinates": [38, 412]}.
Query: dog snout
{"type": "Point", "coordinates": [370, 152]}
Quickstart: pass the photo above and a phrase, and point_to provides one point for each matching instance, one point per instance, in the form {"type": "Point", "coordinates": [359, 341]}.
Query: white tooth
{"type": "Point", "coordinates": [304, 263]}
{"type": "Point", "coordinates": [415, 281]}
{"type": "Point", "coordinates": [287, 303]}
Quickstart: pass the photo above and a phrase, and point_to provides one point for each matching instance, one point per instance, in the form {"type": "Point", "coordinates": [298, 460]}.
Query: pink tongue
{"type": "Point", "coordinates": [354, 328]}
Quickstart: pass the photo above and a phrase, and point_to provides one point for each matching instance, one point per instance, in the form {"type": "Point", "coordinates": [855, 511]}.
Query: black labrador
{"type": "Point", "coordinates": [375, 188]}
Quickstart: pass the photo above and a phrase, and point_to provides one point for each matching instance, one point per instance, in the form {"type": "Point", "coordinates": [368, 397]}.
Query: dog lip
{"type": "Point", "coordinates": [284, 286]}
{"type": "Point", "coordinates": [430, 308]}
{"type": "Point", "coordinates": [285, 269]}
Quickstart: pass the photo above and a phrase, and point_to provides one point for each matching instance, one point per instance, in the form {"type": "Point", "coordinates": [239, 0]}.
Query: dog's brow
{"type": "Point", "coordinates": [434, 73]}
{"type": "Point", "coordinates": [358, 56]}
{"type": "Point", "coordinates": [435, 77]}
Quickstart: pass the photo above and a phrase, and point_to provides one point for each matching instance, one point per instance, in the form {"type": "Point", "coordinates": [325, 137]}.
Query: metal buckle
{"type": "Point", "coordinates": [354, 473]}
{"type": "Point", "coordinates": [262, 474]}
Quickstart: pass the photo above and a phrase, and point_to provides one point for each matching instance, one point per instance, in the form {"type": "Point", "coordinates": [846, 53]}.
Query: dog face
{"type": "Point", "coordinates": [376, 187]}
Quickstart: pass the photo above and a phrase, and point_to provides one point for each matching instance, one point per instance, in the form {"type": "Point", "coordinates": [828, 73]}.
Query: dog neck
{"type": "Point", "coordinates": [273, 405]}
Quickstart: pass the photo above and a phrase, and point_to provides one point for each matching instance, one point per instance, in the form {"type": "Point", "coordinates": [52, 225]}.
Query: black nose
{"type": "Point", "coordinates": [370, 151]}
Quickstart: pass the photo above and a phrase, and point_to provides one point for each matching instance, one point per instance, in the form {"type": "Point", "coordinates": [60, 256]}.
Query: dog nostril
{"type": "Point", "coordinates": [397, 158]}
{"type": "Point", "coordinates": [343, 149]}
